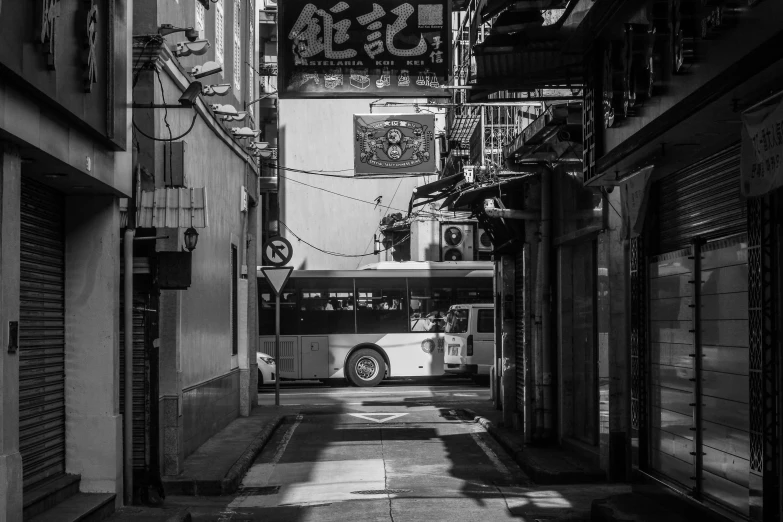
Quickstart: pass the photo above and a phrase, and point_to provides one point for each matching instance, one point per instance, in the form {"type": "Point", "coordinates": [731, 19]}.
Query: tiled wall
{"type": "Point", "coordinates": [207, 408]}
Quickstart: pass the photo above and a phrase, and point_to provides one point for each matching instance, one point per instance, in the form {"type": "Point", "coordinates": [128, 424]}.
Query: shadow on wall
{"type": "Point", "coordinates": [432, 253]}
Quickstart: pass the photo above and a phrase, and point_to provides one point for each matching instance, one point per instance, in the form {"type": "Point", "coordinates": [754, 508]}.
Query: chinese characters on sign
{"type": "Point", "coordinates": [50, 12]}
{"type": "Point", "coordinates": [394, 144]}
{"type": "Point", "coordinates": [762, 149]}
{"type": "Point", "coordinates": [356, 48]}
{"type": "Point", "coordinates": [91, 67]}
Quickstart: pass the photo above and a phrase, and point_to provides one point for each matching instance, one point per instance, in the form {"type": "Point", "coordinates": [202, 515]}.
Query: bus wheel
{"type": "Point", "coordinates": [365, 367]}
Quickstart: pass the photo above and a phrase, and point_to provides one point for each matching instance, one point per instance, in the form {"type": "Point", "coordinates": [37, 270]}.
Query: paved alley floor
{"type": "Point", "coordinates": [392, 453]}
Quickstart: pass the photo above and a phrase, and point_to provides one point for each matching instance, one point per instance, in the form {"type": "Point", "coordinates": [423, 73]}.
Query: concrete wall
{"type": "Point", "coordinates": [93, 431]}
{"type": "Point", "coordinates": [10, 458]}
{"type": "Point", "coordinates": [318, 135]}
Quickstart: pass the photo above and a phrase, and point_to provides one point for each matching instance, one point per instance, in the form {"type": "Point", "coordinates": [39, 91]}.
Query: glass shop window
{"type": "Point", "coordinates": [381, 306]}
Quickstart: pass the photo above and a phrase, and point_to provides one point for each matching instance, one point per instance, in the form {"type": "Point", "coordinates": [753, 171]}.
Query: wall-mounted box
{"type": "Point", "coordinates": [174, 164]}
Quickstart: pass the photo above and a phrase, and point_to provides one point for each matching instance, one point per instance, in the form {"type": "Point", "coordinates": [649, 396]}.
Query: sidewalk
{"type": "Point", "coordinates": [216, 468]}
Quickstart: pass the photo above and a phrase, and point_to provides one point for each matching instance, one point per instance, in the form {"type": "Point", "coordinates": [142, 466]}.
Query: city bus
{"type": "Point", "coordinates": [383, 320]}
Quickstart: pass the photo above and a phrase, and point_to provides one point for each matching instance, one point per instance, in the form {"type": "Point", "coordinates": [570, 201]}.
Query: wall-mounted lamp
{"type": "Point", "coordinates": [190, 33]}
{"type": "Point", "coordinates": [258, 145]}
{"type": "Point", "coordinates": [186, 101]}
{"type": "Point", "coordinates": [224, 110]}
{"type": "Point", "coordinates": [239, 116]}
{"type": "Point", "coordinates": [205, 69]}
{"type": "Point", "coordinates": [264, 153]}
{"type": "Point", "coordinates": [191, 239]}
{"type": "Point", "coordinates": [244, 132]}
{"type": "Point", "coordinates": [198, 47]}
{"type": "Point", "coordinates": [218, 89]}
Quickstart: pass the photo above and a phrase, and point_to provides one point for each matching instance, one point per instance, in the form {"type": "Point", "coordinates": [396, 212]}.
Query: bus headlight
{"type": "Point", "coordinates": [427, 346]}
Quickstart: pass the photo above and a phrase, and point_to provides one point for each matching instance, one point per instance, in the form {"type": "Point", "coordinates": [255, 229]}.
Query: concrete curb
{"type": "Point", "coordinates": [537, 473]}
{"type": "Point", "coordinates": [212, 487]}
{"type": "Point", "coordinates": [231, 481]}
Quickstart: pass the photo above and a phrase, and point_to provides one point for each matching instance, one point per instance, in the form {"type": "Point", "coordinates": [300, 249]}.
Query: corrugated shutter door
{"type": "Point", "coordinates": [519, 319]}
{"type": "Point", "coordinates": [701, 200]}
{"type": "Point", "coordinates": [42, 335]}
{"type": "Point", "coordinates": [141, 405]}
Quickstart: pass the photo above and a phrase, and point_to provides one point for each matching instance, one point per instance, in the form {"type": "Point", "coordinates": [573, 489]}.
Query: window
{"type": "Point", "coordinates": [266, 311]}
{"type": "Point", "coordinates": [326, 306]}
{"type": "Point", "coordinates": [251, 77]}
{"type": "Point", "coordinates": [457, 321]}
{"type": "Point", "coordinates": [219, 31]}
{"type": "Point", "coordinates": [381, 306]}
{"type": "Point", "coordinates": [200, 18]}
{"type": "Point", "coordinates": [486, 321]}
{"type": "Point", "coordinates": [234, 303]}
{"type": "Point", "coordinates": [237, 49]}
{"type": "Point", "coordinates": [429, 301]}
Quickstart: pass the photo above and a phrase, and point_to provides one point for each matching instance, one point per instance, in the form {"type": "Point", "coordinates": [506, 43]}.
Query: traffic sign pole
{"type": "Point", "coordinates": [277, 349]}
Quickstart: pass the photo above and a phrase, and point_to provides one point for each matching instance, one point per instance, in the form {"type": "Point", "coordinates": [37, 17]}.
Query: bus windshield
{"type": "Point", "coordinates": [457, 321]}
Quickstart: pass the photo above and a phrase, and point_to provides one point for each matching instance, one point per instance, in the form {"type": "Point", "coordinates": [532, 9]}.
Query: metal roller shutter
{"type": "Point", "coordinates": [42, 335]}
{"type": "Point", "coordinates": [519, 319]}
{"type": "Point", "coordinates": [701, 200]}
{"type": "Point", "coordinates": [141, 403]}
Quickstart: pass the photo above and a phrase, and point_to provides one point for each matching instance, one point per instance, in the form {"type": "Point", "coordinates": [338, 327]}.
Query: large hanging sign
{"type": "Point", "coordinates": [394, 144]}
{"type": "Point", "coordinates": [762, 150]}
{"type": "Point", "coordinates": [357, 48]}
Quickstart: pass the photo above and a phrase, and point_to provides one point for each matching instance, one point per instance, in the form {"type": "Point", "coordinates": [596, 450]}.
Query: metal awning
{"type": "Point", "coordinates": [172, 208]}
{"type": "Point", "coordinates": [462, 128]}
{"type": "Point", "coordinates": [434, 191]}
{"type": "Point", "coordinates": [469, 197]}
{"type": "Point", "coordinates": [542, 127]}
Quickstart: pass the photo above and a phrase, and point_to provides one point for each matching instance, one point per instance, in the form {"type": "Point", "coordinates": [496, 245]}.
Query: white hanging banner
{"type": "Point", "coordinates": [762, 149]}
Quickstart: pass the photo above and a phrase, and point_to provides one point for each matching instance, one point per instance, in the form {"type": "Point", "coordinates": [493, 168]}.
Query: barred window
{"type": "Point", "coordinates": [200, 18]}
{"type": "Point", "coordinates": [219, 31]}
{"type": "Point", "coordinates": [237, 49]}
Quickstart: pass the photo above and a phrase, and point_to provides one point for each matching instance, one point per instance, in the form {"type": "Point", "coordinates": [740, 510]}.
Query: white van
{"type": "Point", "coordinates": [469, 337]}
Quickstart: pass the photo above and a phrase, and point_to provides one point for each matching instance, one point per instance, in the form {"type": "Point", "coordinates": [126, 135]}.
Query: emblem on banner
{"type": "Point", "coordinates": [394, 143]}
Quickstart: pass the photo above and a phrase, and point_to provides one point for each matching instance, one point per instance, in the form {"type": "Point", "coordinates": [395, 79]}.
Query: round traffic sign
{"type": "Point", "coordinates": [278, 251]}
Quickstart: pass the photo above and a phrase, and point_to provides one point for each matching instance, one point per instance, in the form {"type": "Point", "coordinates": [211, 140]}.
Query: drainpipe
{"type": "Point", "coordinates": [546, 323]}
{"type": "Point", "coordinates": [128, 314]}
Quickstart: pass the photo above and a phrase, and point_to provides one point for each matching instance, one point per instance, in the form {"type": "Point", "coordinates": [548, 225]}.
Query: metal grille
{"type": "Point", "coordinates": [590, 116]}
{"type": "Point", "coordinates": [42, 335]}
{"type": "Point", "coordinates": [287, 355]}
{"type": "Point", "coordinates": [702, 200]}
{"type": "Point", "coordinates": [763, 357]}
{"type": "Point", "coordinates": [519, 319]}
{"type": "Point", "coordinates": [638, 341]}
{"type": "Point", "coordinates": [141, 382]}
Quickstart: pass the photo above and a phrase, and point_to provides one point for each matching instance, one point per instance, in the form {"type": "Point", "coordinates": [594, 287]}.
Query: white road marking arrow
{"type": "Point", "coordinates": [372, 416]}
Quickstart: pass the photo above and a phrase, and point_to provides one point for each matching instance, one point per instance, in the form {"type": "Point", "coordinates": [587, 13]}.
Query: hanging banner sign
{"type": "Point", "coordinates": [394, 144]}
{"type": "Point", "coordinates": [636, 194]}
{"type": "Point", "coordinates": [762, 150]}
{"type": "Point", "coordinates": [356, 48]}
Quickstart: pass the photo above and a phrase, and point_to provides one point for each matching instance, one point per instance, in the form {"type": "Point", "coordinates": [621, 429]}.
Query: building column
{"type": "Point", "coordinates": [170, 381]}
{"type": "Point", "coordinates": [10, 458]}
{"type": "Point", "coordinates": [93, 425]}
{"type": "Point", "coordinates": [508, 376]}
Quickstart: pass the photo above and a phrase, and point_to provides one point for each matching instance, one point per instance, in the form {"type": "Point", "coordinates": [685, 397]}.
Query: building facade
{"type": "Point", "coordinates": [65, 162]}
{"type": "Point", "coordinates": [647, 220]}
{"type": "Point", "coordinates": [195, 170]}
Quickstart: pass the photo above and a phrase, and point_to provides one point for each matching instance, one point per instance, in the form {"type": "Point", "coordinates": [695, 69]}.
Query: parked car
{"type": "Point", "coordinates": [470, 340]}
{"type": "Point", "coordinates": [267, 371]}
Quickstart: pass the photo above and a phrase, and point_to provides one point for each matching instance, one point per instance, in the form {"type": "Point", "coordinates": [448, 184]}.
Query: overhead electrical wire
{"type": "Point", "coordinates": [339, 254]}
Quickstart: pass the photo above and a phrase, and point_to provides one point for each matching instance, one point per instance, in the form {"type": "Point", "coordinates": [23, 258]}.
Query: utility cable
{"type": "Point", "coordinates": [338, 254]}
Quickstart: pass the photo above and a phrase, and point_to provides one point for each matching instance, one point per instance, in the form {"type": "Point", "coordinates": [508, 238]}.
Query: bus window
{"type": "Point", "coordinates": [266, 309]}
{"type": "Point", "coordinates": [457, 321]}
{"type": "Point", "coordinates": [381, 306]}
{"type": "Point", "coordinates": [326, 306]}
{"type": "Point", "coordinates": [429, 301]}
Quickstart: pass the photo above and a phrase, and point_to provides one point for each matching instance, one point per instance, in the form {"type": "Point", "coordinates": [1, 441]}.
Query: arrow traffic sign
{"type": "Point", "coordinates": [372, 416]}
{"type": "Point", "coordinates": [277, 277]}
{"type": "Point", "coordinates": [278, 251]}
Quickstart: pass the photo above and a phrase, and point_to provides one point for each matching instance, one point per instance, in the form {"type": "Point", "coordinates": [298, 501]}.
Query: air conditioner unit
{"type": "Point", "coordinates": [456, 242]}
{"type": "Point", "coordinates": [483, 246]}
